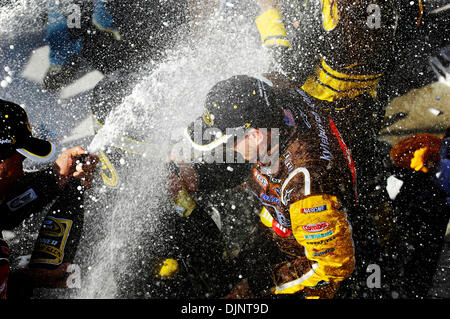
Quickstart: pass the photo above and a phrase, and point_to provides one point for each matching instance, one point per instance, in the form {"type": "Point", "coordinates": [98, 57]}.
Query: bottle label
{"type": "Point", "coordinates": [184, 203]}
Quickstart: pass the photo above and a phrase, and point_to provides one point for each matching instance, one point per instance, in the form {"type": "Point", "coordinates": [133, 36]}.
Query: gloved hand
{"type": "Point", "coordinates": [418, 162]}
{"type": "Point", "coordinates": [419, 152]}
{"type": "Point", "coordinates": [167, 268]}
{"type": "Point", "coordinates": [270, 25]}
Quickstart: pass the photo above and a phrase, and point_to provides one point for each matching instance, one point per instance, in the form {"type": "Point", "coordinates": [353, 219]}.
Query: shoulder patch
{"type": "Point", "coordinates": [261, 179]}
{"type": "Point", "coordinates": [23, 199]}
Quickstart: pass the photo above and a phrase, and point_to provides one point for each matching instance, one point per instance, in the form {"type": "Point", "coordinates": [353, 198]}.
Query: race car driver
{"type": "Point", "coordinates": [338, 53]}
{"type": "Point", "coordinates": [23, 194]}
{"type": "Point", "coordinates": [292, 158]}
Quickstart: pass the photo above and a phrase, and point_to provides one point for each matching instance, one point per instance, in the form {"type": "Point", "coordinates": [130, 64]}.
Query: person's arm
{"type": "Point", "coordinates": [327, 239]}
{"type": "Point", "coordinates": [320, 225]}
{"type": "Point", "coordinates": [36, 190]}
{"type": "Point", "coordinates": [296, 54]}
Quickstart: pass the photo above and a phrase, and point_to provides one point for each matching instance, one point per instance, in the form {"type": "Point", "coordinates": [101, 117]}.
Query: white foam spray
{"type": "Point", "coordinates": [160, 106]}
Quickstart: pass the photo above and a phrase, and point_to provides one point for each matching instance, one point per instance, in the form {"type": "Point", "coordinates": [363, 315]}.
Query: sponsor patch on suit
{"type": "Point", "coordinates": [23, 199]}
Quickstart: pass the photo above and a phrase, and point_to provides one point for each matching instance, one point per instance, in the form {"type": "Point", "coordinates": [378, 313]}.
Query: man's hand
{"type": "Point", "coordinates": [186, 178]}
{"type": "Point", "coordinates": [268, 4]}
{"type": "Point", "coordinates": [75, 163]}
{"type": "Point", "coordinates": [48, 278]}
{"type": "Point", "coordinates": [181, 175]}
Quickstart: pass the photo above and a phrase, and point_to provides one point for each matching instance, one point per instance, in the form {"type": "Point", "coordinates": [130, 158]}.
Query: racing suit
{"type": "Point", "coordinates": [32, 194]}
{"type": "Point", "coordinates": [305, 202]}
{"type": "Point", "coordinates": [338, 54]}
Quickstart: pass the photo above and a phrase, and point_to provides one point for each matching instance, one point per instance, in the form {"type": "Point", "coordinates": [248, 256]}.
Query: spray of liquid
{"type": "Point", "coordinates": [122, 229]}
{"type": "Point", "coordinates": [21, 16]}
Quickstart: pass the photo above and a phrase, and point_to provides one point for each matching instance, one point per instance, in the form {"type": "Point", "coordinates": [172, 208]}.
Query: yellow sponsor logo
{"type": "Point", "coordinates": [52, 251]}
{"type": "Point", "coordinates": [57, 252]}
{"type": "Point", "coordinates": [208, 118]}
{"type": "Point", "coordinates": [266, 218]}
{"type": "Point", "coordinates": [108, 173]}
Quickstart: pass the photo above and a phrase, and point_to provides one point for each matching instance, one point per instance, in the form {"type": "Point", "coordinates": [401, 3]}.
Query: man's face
{"type": "Point", "coordinates": [11, 169]}
{"type": "Point", "coordinates": [247, 146]}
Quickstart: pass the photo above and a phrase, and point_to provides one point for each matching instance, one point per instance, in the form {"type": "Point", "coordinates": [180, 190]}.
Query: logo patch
{"type": "Point", "coordinates": [316, 236]}
{"type": "Point", "coordinates": [22, 200]}
{"type": "Point", "coordinates": [108, 172]}
{"type": "Point", "coordinates": [304, 117]}
{"type": "Point", "coordinates": [208, 118]}
{"type": "Point", "coordinates": [313, 209]}
{"type": "Point", "coordinates": [262, 181]}
{"type": "Point", "coordinates": [275, 180]}
{"type": "Point", "coordinates": [276, 190]}
{"type": "Point", "coordinates": [6, 141]}
{"type": "Point", "coordinates": [280, 230]}
{"type": "Point", "coordinates": [315, 228]}
{"type": "Point", "coordinates": [318, 253]}
{"type": "Point", "coordinates": [51, 241]}
{"type": "Point", "coordinates": [283, 220]}
{"type": "Point", "coordinates": [271, 199]}
{"type": "Point", "coordinates": [266, 218]}
{"type": "Point", "coordinates": [287, 198]}
{"type": "Point", "coordinates": [287, 161]}
{"type": "Point", "coordinates": [322, 241]}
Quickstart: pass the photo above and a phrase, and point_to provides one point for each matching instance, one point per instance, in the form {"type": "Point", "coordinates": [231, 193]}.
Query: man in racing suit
{"type": "Point", "coordinates": [338, 52]}
{"type": "Point", "coordinates": [305, 180]}
{"type": "Point", "coordinates": [24, 194]}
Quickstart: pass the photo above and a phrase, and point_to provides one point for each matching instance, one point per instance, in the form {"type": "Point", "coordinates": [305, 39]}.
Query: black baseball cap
{"type": "Point", "coordinates": [15, 135]}
{"type": "Point", "coordinates": [233, 106]}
